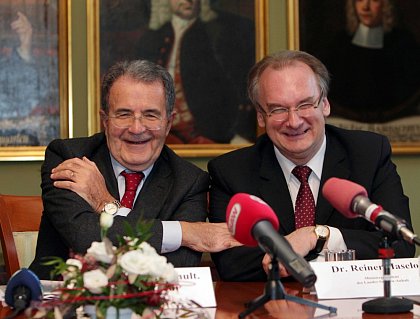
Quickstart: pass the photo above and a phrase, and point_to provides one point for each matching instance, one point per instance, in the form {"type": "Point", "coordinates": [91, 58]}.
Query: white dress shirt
{"type": "Point", "coordinates": [336, 241]}
{"type": "Point", "coordinates": [172, 231]}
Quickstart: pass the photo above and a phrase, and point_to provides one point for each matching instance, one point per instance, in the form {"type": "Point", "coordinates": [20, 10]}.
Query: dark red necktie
{"type": "Point", "coordinates": [132, 181]}
{"type": "Point", "coordinates": [305, 204]}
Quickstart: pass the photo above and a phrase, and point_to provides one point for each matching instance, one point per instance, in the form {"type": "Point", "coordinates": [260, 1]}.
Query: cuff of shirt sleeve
{"type": "Point", "coordinates": [123, 211]}
{"type": "Point", "coordinates": [172, 236]}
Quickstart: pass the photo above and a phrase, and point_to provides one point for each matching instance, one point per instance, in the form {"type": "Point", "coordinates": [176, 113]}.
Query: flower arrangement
{"type": "Point", "coordinates": [132, 275]}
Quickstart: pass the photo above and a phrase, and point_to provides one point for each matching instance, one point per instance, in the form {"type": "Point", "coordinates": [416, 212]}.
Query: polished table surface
{"type": "Point", "coordinates": [231, 298]}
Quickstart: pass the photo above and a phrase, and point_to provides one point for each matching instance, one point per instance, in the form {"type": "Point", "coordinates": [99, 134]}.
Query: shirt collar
{"type": "Point", "coordinates": [118, 168]}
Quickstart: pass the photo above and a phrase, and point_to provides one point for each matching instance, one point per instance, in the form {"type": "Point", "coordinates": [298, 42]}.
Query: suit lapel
{"type": "Point", "coordinates": [274, 190]}
{"type": "Point", "coordinates": [153, 195]}
{"type": "Point", "coordinates": [335, 165]}
{"type": "Point", "coordinates": [103, 162]}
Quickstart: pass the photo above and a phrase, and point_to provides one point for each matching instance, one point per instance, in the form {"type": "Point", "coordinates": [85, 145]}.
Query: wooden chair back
{"type": "Point", "coordinates": [17, 214]}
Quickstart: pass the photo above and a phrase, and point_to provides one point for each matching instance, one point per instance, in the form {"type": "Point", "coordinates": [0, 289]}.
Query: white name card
{"type": "Point", "coordinates": [196, 284]}
{"type": "Point", "coordinates": [364, 278]}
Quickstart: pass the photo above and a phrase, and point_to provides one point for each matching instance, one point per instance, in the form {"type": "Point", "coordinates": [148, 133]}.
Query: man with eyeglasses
{"type": "Point", "coordinates": [289, 90]}
{"type": "Point", "coordinates": [127, 171]}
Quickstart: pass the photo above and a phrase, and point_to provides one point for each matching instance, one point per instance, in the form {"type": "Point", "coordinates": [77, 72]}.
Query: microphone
{"type": "Point", "coordinates": [23, 287]}
{"type": "Point", "coordinates": [253, 222]}
{"type": "Point", "coordinates": [351, 200]}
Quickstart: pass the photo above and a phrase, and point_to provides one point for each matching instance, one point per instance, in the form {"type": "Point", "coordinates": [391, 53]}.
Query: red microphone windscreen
{"type": "Point", "coordinates": [243, 212]}
{"type": "Point", "coordinates": [340, 193]}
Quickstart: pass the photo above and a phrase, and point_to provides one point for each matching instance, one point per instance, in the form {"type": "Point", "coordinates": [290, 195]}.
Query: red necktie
{"type": "Point", "coordinates": [132, 181]}
{"type": "Point", "coordinates": [305, 204]}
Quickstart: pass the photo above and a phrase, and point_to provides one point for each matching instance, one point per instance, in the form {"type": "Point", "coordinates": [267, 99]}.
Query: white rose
{"type": "Point", "coordinates": [106, 220]}
{"type": "Point", "coordinates": [98, 251]}
{"type": "Point", "coordinates": [95, 280]}
{"type": "Point", "coordinates": [147, 249]}
{"type": "Point", "coordinates": [158, 265]}
{"type": "Point", "coordinates": [72, 266]}
{"type": "Point", "coordinates": [74, 262]}
{"type": "Point", "coordinates": [169, 274]}
{"type": "Point", "coordinates": [135, 262]}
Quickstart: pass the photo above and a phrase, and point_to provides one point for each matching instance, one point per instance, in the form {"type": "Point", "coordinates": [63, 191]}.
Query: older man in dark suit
{"type": "Point", "coordinates": [289, 90]}
{"type": "Point", "coordinates": [84, 177]}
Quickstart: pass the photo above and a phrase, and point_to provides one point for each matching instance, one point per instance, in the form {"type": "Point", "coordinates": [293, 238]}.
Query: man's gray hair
{"type": "Point", "coordinates": [281, 60]}
{"type": "Point", "coordinates": [141, 71]}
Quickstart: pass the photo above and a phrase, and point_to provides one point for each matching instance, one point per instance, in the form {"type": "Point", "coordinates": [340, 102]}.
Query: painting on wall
{"type": "Point", "coordinates": [372, 50]}
{"type": "Point", "coordinates": [207, 46]}
{"type": "Point", "coordinates": [33, 106]}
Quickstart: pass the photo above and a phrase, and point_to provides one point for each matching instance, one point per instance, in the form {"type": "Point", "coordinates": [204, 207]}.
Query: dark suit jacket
{"type": "Point", "coordinates": [174, 190]}
{"type": "Point", "coordinates": [361, 157]}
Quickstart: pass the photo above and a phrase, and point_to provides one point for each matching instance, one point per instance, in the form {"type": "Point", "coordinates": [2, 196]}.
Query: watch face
{"type": "Point", "coordinates": [111, 208]}
{"type": "Point", "coordinates": [322, 231]}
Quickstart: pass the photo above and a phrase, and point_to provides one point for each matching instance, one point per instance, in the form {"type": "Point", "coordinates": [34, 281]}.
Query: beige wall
{"type": "Point", "coordinates": [23, 178]}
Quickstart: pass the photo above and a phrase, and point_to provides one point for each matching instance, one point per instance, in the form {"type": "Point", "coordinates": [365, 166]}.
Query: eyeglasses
{"type": "Point", "coordinates": [150, 121]}
{"type": "Point", "coordinates": [280, 114]}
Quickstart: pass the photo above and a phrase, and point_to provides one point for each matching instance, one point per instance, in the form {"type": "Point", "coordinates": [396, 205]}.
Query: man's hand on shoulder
{"type": "Point", "coordinates": [207, 237]}
{"type": "Point", "coordinates": [83, 177]}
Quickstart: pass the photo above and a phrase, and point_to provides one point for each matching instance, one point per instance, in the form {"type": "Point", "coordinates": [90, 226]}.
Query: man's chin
{"type": "Point", "coordinates": [137, 163]}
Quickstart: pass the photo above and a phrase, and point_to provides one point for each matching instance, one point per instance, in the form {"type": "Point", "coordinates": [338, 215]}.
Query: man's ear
{"type": "Point", "coordinates": [326, 107]}
{"type": "Point", "coordinates": [170, 121]}
{"type": "Point", "coordinates": [104, 118]}
{"type": "Point", "coordinates": [260, 119]}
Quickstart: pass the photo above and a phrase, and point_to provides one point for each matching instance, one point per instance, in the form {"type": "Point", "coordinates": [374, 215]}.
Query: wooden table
{"type": "Point", "coordinates": [231, 298]}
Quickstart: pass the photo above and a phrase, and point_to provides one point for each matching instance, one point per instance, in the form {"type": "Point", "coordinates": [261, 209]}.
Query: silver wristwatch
{"type": "Point", "coordinates": [112, 207]}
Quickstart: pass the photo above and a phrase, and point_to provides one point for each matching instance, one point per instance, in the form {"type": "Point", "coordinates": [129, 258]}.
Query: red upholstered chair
{"type": "Point", "coordinates": [18, 214]}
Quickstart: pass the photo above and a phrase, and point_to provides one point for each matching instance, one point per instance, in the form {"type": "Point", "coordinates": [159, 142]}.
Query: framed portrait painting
{"type": "Point", "coordinates": [33, 76]}
{"type": "Point", "coordinates": [207, 46]}
{"type": "Point", "coordinates": [372, 51]}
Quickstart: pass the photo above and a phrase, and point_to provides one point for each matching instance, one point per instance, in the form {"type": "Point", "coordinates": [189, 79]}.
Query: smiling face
{"type": "Point", "coordinates": [369, 12]}
{"type": "Point", "coordinates": [297, 138]}
{"type": "Point", "coordinates": [135, 147]}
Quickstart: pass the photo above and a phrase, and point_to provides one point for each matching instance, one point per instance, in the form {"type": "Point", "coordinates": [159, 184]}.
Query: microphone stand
{"type": "Point", "coordinates": [387, 304]}
{"type": "Point", "coordinates": [274, 290]}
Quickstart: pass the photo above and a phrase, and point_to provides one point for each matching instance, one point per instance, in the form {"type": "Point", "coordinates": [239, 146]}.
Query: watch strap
{"type": "Point", "coordinates": [320, 244]}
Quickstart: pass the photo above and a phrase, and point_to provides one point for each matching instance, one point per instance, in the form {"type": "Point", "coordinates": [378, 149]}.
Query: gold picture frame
{"type": "Point", "coordinates": [94, 74]}
{"type": "Point", "coordinates": [403, 131]}
{"type": "Point", "coordinates": [59, 51]}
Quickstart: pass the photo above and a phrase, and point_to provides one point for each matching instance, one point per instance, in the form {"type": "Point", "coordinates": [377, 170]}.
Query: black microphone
{"type": "Point", "coordinates": [252, 222]}
{"type": "Point", "coordinates": [351, 200]}
{"type": "Point", "coordinates": [23, 287]}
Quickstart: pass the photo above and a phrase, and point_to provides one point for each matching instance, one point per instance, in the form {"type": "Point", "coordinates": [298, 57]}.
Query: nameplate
{"type": "Point", "coordinates": [364, 278]}
{"type": "Point", "coordinates": [196, 285]}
